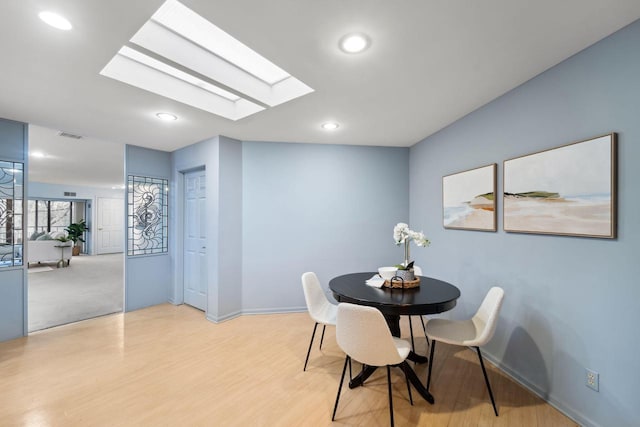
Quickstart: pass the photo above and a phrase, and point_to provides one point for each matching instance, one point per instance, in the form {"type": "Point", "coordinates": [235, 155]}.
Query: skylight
{"type": "Point", "coordinates": [167, 69]}
{"type": "Point", "coordinates": [179, 19]}
{"type": "Point", "coordinates": [144, 72]}
{"type": "Point", "coordinates": [206, 55]}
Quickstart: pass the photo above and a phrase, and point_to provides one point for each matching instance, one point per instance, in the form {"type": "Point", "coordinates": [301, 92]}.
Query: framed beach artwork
{"type": "Point", "coordinates": [569, 190]}
{"type": "Point", "coordinates": [468, 199]}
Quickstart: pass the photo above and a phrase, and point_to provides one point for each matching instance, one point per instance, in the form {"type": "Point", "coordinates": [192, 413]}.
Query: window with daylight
{"type": "Point", "coordinates": [11, 199]}
{"type": "Point", "coordinates": [147, 225]}
{"type": "Point", "coordinates": [49, 216]}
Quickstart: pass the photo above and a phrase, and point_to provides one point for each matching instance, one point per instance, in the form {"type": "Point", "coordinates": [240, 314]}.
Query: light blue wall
{"type": "Point", "coordinates": [324, 208]}
{"type": "Point", "coordinates": [148, 278]}
{"type": "Point", "coordinates": [221, 157]}
{"type": "Point", "coordinates": [230, 228]}
{"type": "Point", "coordinates": [571, 303]}
{"type": "Point", "coordinates": [12, 303]}
{"type": "Point", "coordinates": [203, 155]}
{"type": "Point", "coordinates": [13, 286]}
{"type": "Point", "coordinates": [13, 140]}
{"type": "Point", "coordinates": [277, 210]}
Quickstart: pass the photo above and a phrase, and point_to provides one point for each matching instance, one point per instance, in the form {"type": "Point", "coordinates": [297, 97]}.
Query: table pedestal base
{"type": "Point", "coordinates": [394, 327]}
{"type": "Point", "coordinates": [359, 379]}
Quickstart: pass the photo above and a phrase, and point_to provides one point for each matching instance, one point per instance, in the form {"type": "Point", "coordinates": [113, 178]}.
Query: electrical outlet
{"type": "Point", "coordinates": [593, 379]}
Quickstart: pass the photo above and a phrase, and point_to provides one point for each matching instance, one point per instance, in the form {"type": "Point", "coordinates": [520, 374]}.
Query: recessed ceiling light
{"type": "Point", "coordinates": [38, 154]}
{"type": "Point", "coordinates": [354, 43]}
{"type": "Point", "coordinates": [330, 126]}
{"type": "Point", "coordinates": [55, 20]}
{"type": "Point", "coordinates": [167, 117]}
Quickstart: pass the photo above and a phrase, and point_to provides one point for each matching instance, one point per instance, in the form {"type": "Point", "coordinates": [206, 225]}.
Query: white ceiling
{"type": "Point", "coordinates": [88, 161]}
{"type": "Point", "coordinates": [431, 62]}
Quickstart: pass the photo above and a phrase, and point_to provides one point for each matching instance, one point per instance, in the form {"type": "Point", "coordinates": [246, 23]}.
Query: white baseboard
{"type": "Point", "coordinates": [280, 310]}
{"type": "Point", "coordinates": [542, 394]}
{"type": "Point", "coordinates": [220, 319]}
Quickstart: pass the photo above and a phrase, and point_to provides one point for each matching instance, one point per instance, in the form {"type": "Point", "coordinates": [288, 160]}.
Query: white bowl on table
{"type": "Point", "coordinates": [387, 272]}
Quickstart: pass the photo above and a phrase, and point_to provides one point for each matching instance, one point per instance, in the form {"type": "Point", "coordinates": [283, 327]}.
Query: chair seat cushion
{"type": "Point", "coordinates": [327, 314]}
{"type": "Point", "coordinates": [456, 332]}
{"type": "Point", "coordinates": [403, 348]}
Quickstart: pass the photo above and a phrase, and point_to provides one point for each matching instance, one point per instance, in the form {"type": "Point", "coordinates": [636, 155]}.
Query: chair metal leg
{"type": "Point", "coordinates": [344, 369]}
{"type": "Point", "coordinates": [433, 348]}
{"type": "Point", "coordinates": [390, 398]}
{"type": "Point", "coordinates": [486, 379]}
{"type": "Point", "coordinates": [408, 387]}
{"type": "Point", "coordinates": [350, 374]}
{"type": "Point", "coordinates": [310, 344]}
{"type": "Point", "coordinates": [413, 345]}
{"type": "Point", "coordinates": [322, 337]}
{"type": "Point", "coordinates": [424, 328]}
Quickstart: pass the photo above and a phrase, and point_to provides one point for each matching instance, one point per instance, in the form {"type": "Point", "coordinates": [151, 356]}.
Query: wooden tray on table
{"type": "Point", "coordinates": [399, 284]}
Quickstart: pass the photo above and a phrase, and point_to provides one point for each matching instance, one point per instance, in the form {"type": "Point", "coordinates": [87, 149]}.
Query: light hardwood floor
{"type": "Point", "coordinates": [168, 366]}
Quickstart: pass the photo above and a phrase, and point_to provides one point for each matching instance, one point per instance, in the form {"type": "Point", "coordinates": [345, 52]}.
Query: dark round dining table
{"type": "Point", "coordinates": [431, 297]}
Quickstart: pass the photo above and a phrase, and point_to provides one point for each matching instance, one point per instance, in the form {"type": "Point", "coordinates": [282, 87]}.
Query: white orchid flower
{"type": "Point", "coordinates": [403, 234]}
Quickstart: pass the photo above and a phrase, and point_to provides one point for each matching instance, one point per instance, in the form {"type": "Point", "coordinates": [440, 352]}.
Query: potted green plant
{"type": "Point", "coordinates": [63, 239]}
{"type": "Point", "coordinates": [75, 231]}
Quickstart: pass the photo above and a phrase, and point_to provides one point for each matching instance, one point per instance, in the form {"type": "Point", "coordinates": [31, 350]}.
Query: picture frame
{"type": "Point", "coordinates": [569, 190]}
{"type": "Point", "coordinates": [469, 199]}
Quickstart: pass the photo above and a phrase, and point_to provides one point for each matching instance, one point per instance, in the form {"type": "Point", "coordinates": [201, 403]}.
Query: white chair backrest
{"type": "Point", "coordinates": [417, 270]}
{"type": "Point", "coordinates": [314, 296]}
{"type": "Point", "coordinates": [364, 335]}
{"type": "Point", "coordinates": [486, 318]}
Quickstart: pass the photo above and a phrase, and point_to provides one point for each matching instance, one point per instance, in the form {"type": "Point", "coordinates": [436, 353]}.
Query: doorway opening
{"type": "Point", "coordinates": [66, 285]}
{"type": "Point", "coordinates": [68, 180]}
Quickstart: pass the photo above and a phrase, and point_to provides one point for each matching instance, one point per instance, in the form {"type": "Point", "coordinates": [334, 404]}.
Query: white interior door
{"type": "Point", "coordinates": [195, 240]}
{"type": "Point", "coordinates": [109, 230]}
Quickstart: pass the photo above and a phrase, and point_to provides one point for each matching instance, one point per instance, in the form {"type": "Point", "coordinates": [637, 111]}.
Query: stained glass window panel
{"type": "Point", "coordinates": [147, 224]}
{"type": "Point", "coordinates": [11, 199]}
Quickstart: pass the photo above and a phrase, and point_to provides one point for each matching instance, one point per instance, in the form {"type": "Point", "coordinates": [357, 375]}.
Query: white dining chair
{"type": "Point", "coordinates": [363, 334]}
{"type": "Point", "coordinates": [321, 310]}
{"type": "Point", "coordinates": [417, 271]}
{"type": "Point", "coordinates": [474, 332]}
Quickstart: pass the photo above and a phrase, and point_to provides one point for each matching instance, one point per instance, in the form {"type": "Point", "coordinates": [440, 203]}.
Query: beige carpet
{"type": "Point", "coordinates": [91, 286]}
